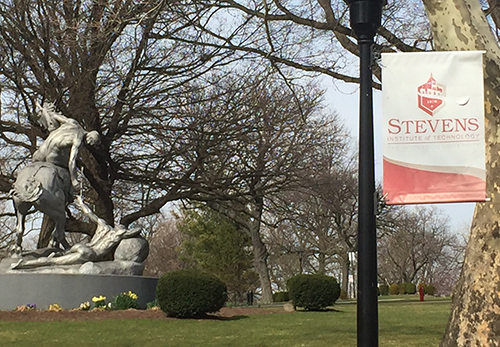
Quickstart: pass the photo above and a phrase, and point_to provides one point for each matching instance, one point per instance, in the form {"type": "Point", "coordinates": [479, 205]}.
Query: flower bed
{"type": "Point", "coordinates": [152, 314]}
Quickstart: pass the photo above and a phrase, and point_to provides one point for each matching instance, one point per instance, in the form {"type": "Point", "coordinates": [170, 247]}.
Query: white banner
{"type": "Point", "coordinates": [433, 127]}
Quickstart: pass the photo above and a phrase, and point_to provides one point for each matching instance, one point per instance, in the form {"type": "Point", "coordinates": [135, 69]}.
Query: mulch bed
{"type": "Point", "coordinates": [226, 313]}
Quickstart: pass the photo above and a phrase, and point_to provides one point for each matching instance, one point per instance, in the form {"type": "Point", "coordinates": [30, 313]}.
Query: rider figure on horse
{"type": "Point", "coordinates": [63, 143]}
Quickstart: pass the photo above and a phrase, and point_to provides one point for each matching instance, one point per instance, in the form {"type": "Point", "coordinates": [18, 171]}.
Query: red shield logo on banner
{"type": "Point", "coordinates": [430, 96]}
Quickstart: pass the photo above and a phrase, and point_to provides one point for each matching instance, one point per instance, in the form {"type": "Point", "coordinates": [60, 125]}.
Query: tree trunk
{"type": "Point", "coordinates": [301, 262]}
{"type": "Point", "coordinates": [345, 265]}
{"type": "Point", "coordinates": [475, 315]}
{"type": "Point", "coordinates": [45, 232]}
{"type": "Point", "coordinates": [260, 262]}
{"type": "Point", "coordinates": [321, 263]}
{"type": "Point", "coordinates": [252, 227]}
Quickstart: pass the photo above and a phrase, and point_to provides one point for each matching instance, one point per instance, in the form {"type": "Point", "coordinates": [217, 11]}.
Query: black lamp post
{"type": "Point", "coordinates": [365, 20]}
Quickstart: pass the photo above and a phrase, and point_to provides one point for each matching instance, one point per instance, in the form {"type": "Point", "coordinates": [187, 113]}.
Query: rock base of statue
{"type": "Point", "coordinates": [70, 290]}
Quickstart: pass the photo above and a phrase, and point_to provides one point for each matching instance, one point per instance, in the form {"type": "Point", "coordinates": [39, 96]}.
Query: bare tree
{"type": "Point", "coordinates": [444, 274]}
{"type": "Point", "coordinates": [160, 105]}
{"type": "Point", "coordinates": [324, 212]}
{"type": "Point", "coordinates": [8, 227]}
{"type": "Point", "coordinates": [164, 246]}
{"type": "Point", "coordinates": [289, 251]}
{"type": "Point", "coordinates": [266, 159]}
{"type": "Point", "coordinates": [420, 244]}
{"type": "Point", "coordinates": [309, 36]}
{"type": "Point", "coordinates": [317, 219]}
{"type": "Point", "coordinates": [98, 62]}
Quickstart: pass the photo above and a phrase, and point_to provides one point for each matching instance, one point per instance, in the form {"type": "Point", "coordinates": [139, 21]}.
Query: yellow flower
{"type": "Point", "coordinates": [131, 295]}
{"type": "Point", "coordinates": [98, 298]}
{"type": "Point", "coordinates": [85, 306]}
{"type": "Point", "coordinates": [54, 308]}
{"type": "Point", "coordinates": [22, 308]}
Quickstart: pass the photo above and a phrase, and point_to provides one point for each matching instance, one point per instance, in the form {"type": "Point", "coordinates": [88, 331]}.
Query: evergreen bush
{"type": "Point", "coordinates": [384, 289]}
{"type": "Point", "coordinates": [281, 297]}
{"type": "Point", "coordinates": [190, 293]}
{"type": "Point", "coordinates": [402, 288]}
{"type": "Point", "coordinates": [313, 292]}
{"type": "Point", "coordinates": [411, 288]}
{"type": "Point", "coordinates": [429, 289]}
{"type": "Point", "coordinates": [394, 289]}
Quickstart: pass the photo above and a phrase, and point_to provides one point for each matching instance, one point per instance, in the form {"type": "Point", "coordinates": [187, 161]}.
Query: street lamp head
{"type": "Point", "coordinates": [365, 17]}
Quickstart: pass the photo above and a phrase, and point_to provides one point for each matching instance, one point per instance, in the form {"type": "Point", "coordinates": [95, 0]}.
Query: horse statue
{"type": "Point", "coordinates": [47, 183]}
{"type": "Point", "coordinates": [47, 188]}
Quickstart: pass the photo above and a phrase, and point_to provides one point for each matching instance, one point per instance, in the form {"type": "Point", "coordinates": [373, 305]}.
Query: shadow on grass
{"type": "Point", "coordinates": [324, 310]}
{"type": "Point", "coordinates": [237, 317]}
{"type": "Point", "coordinates": [214, 317]}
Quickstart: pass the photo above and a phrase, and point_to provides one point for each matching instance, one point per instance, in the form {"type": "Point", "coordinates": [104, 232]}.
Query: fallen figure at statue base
{"type": "Point", "coordinates": [129, 256]}
{"type": "Point", "coordinates": [114, 267]}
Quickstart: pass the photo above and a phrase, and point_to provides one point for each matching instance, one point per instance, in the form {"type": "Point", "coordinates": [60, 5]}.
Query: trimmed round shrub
{"type": "Point", "coordinates": [411, 288]}
{"type": "Point", "coordinates": [313, 292]}
{"type": "Point", "coordinates": [429, 289]}
{"type": "Point", "coordinates": [281, 297]}
{"type": "Point", "coordinates": [394, 289]}
{"type": "Point", "coordinates": [384, 289]}
{"type": "Point", "coordinates": [402, 288]}
{"type": "Point", "coordinates": [190, 293]}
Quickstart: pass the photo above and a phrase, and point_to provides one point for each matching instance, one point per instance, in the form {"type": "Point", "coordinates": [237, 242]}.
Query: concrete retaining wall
{"type": "Point", "coordinates": [69, 291]}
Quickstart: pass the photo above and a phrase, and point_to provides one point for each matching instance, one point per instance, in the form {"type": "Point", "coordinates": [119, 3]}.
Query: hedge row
{"type": "Point", "coordinates": [405, 288]}
{"type": "Point", "coordinates": [281, 297]}
{"type": "Point", "coordinates": [191, 293]}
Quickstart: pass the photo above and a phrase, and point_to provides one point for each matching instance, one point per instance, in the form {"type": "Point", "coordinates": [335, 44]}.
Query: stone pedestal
{"type": "Point", "coordinates": [70, 290]}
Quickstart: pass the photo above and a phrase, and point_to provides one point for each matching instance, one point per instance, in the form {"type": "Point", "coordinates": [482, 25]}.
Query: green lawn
{"type": "Point", "coordinates": [402, 323]}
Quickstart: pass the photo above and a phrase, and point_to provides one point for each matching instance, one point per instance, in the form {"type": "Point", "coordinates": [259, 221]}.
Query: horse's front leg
{"type": "Point", "coordinates": [18, 247]}
{"type": "Point", "coordinates": [21, 211]}
{"type": "Point", "coordinates": [58, 238]}
{"type": "Point", "coordinates": [56, 241]}
{"type": "Point", "coordinates": [58, 232]}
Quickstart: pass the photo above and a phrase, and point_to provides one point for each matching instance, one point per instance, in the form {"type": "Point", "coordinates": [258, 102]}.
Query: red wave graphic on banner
{"type": "Point", "coordinates": [404, 185]}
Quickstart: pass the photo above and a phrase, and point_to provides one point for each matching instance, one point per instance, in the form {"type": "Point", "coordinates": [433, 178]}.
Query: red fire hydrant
{"type": "Point", "coordinates": [421, 292]}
